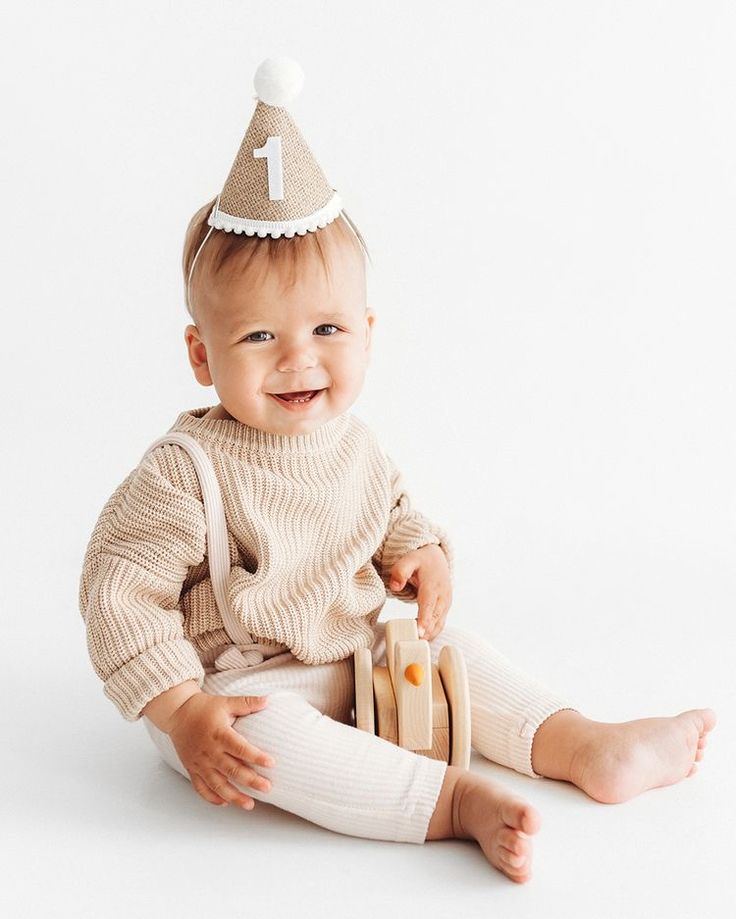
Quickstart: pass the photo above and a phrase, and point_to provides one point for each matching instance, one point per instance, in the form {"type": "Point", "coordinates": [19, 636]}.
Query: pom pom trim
{"type": "Point", "coordinates": [221, 220]}
{"type": "Point", "coordinates": [278, 81]}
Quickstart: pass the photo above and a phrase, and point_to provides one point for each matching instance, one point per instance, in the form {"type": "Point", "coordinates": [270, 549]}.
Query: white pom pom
{"type": "Point", "coordinates": [278, 80]}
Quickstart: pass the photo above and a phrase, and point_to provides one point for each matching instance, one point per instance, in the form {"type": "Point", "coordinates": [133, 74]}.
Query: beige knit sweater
{"type": "Point", "coordinates": [315, 522]}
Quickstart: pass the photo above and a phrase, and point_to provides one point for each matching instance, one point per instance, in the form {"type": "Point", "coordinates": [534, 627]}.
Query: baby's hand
{"type": "Point", "coordinates": [212, 751]}
{"type": "Point", "coordinates": [427, 570]}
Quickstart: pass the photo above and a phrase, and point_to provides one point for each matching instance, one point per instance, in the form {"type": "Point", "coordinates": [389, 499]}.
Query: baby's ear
{"type": "Point", "coordinates": [197, 354]}
{"type": "Point", "coordinates": [370, 318]}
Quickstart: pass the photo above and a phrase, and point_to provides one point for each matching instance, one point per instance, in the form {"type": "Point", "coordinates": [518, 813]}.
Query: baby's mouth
{"type": "Point", "coordinates": [305, 396]}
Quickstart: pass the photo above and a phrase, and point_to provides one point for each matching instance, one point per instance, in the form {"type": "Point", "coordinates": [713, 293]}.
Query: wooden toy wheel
{"type": "Point", "coordinates": [451, 665]}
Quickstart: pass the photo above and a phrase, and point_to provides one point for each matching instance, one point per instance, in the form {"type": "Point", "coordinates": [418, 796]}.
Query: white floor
{"type": "Point", "coordinates": [96, 826]}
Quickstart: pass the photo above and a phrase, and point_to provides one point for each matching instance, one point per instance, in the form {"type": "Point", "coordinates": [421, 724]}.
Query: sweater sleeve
{"type": "Point", "coordinates": [147, 536]}
{"type": "Point", "coordinates": [407, 529]}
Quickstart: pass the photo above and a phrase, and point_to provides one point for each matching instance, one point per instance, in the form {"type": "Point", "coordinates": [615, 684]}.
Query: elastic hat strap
{"type": "Point", "coordinates": [194, 260]}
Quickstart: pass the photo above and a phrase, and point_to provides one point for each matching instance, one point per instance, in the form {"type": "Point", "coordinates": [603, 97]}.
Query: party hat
{"type": "Point", "coordinates": [275, 186]}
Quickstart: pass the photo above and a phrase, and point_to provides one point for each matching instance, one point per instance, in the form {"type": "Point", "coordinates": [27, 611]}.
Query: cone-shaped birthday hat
{"type": "Point", "coordinates": [275, 186]}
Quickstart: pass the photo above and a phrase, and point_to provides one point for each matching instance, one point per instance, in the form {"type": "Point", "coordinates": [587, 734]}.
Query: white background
{"type": "Point", "coordinates": [548, 194]}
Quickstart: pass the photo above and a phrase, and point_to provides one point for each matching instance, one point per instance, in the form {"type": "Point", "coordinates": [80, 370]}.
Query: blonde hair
{"type": "Point", "coordinates": [233, 253]}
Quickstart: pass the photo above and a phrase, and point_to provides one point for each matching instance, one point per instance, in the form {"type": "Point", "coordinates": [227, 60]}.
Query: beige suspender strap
{"type": "Point", "coordinates": [214, 512]}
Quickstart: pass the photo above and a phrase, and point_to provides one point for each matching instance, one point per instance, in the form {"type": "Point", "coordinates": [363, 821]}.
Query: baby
{"type": "Point", "coordinates": [320, 529]}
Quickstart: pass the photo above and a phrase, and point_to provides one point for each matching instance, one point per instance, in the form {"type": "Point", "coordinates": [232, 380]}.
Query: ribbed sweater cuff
{"type": "Point", "coordinates": [149, 674]}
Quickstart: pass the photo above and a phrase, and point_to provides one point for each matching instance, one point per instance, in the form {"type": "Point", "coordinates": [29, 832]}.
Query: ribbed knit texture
{"type": "Point", "coordinates": [315, 523]}
{"type": "Point", "coordinates": [353, 782]}
{"type": "Point", "coordinates": [331, 774]}
{"type": "Point", "coordinates": [506, 704]}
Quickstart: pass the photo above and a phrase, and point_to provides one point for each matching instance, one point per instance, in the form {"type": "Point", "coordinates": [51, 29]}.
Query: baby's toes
{"type": "Point", "coordinates": [702, 744]}
{"type": "Point", "coordinates": [519, 815]}
{"type": "Point", "coordinates": [514, 852]}
{"type": "Point", "coordinates": [512, 859]}
{"type": "Point", "coordinates": [516, 867]}
{"type": "Point", "coordinates": [511, 840]}
{"type": "Point", "coordinates": [693, 770]}
{"type": "Point", "coordinates": [707, 720]}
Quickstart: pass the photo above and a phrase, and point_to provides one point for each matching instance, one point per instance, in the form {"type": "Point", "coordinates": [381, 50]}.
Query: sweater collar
{"type": "Point", "coordinates": [229, 433]}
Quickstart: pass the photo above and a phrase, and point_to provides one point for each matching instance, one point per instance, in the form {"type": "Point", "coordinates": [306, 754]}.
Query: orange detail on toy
{"type": "Point", "coordinates": [414, 673]}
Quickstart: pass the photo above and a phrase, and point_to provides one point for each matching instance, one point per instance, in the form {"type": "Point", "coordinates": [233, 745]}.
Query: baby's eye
{"type": "Point", "coordinates": [262, 332]}
{"type": "Point", "coordinates": [250, 337]}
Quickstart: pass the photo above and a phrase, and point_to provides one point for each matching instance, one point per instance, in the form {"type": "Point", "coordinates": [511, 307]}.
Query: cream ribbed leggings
{"type": "Point", "coordinates": [352, 782]}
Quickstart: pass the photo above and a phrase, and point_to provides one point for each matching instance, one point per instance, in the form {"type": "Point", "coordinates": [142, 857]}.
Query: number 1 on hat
{"type": "Point", "coordinates": [272, 151]}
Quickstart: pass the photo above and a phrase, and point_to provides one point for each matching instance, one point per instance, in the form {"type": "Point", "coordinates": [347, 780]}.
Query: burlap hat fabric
{"type": "Point", "coordinates": [303, 200]}
{"type": "Point", "coordinates": [275, 186]}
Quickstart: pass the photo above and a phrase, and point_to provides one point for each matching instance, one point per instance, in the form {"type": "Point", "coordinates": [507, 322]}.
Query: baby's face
{"type": "Point", "coordinates": [257, 338]}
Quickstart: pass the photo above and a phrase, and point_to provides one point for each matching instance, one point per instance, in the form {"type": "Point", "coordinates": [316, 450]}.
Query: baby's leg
{"type": "Point", "coordinates": [334, 775]}
{"type": "Point", "coordinates": [507, 705]}
{"type": "Point", "coordinates": [517, 721]}
{"type": "Point", "coordinates": [356, 783]}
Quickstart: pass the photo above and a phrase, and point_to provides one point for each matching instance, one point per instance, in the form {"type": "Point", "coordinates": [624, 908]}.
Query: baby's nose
{"type": "Point", "coordinates": [297, 360]}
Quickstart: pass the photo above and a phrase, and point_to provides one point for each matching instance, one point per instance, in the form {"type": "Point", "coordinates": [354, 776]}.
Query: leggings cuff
{"type": "Point", "coordinates": [522, 737]}
{"type": "Point", "coordinates": [428, 779]}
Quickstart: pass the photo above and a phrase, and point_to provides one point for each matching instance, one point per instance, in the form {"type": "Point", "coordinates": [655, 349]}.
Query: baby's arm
{"type": "Point", "coordinates": [148, 535]}
{"type": "Point", "coordinates": [161, 709]}
{"type": "Point", "coordinates": [407, 529]}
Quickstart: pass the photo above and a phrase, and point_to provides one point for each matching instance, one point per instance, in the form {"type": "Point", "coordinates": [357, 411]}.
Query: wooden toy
{"type": "Point", "coordinates": [412, 702]}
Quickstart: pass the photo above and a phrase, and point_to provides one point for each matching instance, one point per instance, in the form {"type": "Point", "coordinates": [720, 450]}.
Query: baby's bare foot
{"type": "Point", "coordinates": [619, 761]}
{"type": "Point", "coordinates": [500, 822]}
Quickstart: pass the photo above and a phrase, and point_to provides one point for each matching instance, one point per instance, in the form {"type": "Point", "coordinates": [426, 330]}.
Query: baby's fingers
{"type": "Point", "coordinates": [204, 791]}
{"type": "Point", "coordinates": [237, 772]}
{"type": "Point", "coordinates": [242, 749]}
{"type": "Point", "coordinates": [224, 789]}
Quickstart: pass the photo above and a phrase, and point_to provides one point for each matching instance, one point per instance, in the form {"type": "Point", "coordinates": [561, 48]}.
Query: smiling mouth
{"type": "Point", "coordinates": [305, 396]}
